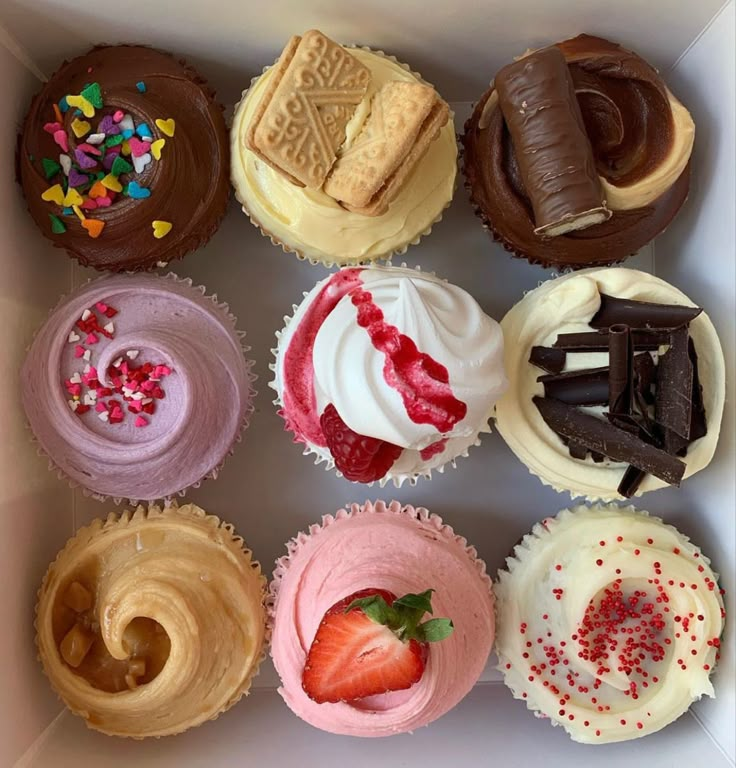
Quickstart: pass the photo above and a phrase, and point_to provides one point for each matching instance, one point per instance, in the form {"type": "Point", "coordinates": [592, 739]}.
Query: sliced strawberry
{"type": "Point", "coordinates": [359, 458]}
{"type": "Point", "coordinates": [370, 643]}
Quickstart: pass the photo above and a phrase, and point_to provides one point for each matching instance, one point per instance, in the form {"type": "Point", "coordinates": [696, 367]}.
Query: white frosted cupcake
{"type": "Point", "coordinates": [608, 623]}
{"type": "Point", "coordinates": [388, 373]}
{"type": "Point", "coordinates": [152, 622]}
{"type": "Point", "coordinates": [313, 224]}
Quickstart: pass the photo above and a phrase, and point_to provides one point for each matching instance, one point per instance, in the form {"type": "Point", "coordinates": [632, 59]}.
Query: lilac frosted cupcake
{"type": "Point", "coordinates": [137, 387]}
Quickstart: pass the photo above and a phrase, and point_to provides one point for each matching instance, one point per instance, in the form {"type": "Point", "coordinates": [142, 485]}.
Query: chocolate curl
{"type": "Point", "coordinates": [620, 371]}
{"type": "Point", "coordinates": [641, 314]}
{"type": "Point", "coordinates": [698, 424]}
{"type": "Point", "coordinates": [537, 98]}
{"type": "Point", "coordinates": [602, 437]}
{"type": "Point", "coordinates": [674, 399]}
{"type": "Point", "coordinates": [548, 359]}
{"type": "Point", "coordinates": [584, 387]}
{"type": "Point", "coordinates": [644, 340]}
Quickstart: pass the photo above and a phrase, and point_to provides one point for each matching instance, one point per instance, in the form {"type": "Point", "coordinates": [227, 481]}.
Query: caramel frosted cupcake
{"type": "Point", "coordinates": [608, 623]}
{"type": "Point", "coordinates": [578, 154]}
{"type": "Point", "coordinates": [342, 155]}
{"type": "Point", "coordinates": [616, 384]}
{"type": "Point", "coordinates": [123, 159]}
{"type": "Point", "coordinates": [152, 622]}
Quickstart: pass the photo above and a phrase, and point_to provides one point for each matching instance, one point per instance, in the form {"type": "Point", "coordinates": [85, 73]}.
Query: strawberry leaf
{"type": "Point", "coordinates": [434, 630]}
{"type": "Point", "coordinates": [375, 608]}
{"type": "Point", "coordinates": [421, 603]}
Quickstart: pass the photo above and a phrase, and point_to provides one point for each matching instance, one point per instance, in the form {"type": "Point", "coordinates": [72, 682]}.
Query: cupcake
{"type": "Point", "coordinates": [617, 384]}
{"type": "Point", "coordinates": [387, 373]}
{"type": "Point", "coordinates": [123, 159]}
{"type": "Point", "coordinates": [342, 155]}
{"type": "Point", "coordinates": [609, 623]}
{"type": "Point", "coordinates": [152, 622]}
{"type": "Point", "coordinates": [382, 620]}
{"type": "Point", "coordinates": [578, 154]}
{"type": "Point", "coordinates": [137, 386]}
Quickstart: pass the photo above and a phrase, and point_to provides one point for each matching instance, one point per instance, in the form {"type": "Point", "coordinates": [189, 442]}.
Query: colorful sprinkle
{"type": "Point", "coordinates": [81, 103]}
{"type": "Point", "coordinates": [166, 126]}
{"type": "Point", "coordinates": [120, 166]}
{"type": "Point", "coordinates": [112, 183]}
{"type": "Point", "coordinates": [80, 127]}
{"type": "Point", "coordinates": [94, 227]}
{"type": "Point", "coordinates": [77, 179]}
{"type": "Point", "coordinates": [141, 86]}
{"type": "Point", "coordinates": [138, 147]}
{"type": "Point", "coordinates": [50, 167]}
{"type": "Point", "coordinates": [66, 163]}
{"type": "Point", "coordinates": [62, 140]}
{"type": "Point", "coordinates": [156, 148]}
{"type": "Point", "coordinates": [93, 94]}
{"type": "Point", "coordinates": [140, 422]}
{"type": "Point", "coordinates": [118, 115]}
{"type": "Point", "coordinates": [62, 106]}
{"type": "Point", "coordinates": [57, 227]}
{"type": "Point", "coordinates": [98, 189]}
{"type": "Point", "coordinates": [161, 228]}
{"type": "Point", "coordinates": [143, 129]}
{"type": "Point", "coordinates": [78, 211]}
{"type": "Point", "coordinates": [140, 163]}
{"type": "Point", "coordinates": [54, 194]}
{"type": "Point", "coordinates": [95, 139]}
{"type": "Point", "coordinates": [113, 141]}
{"type": "Point", "coordinates": [52, 128]}
{"type": "Point", "coordinates": [137, 192]}
{"type": "Point", "coordinates": [72, 197]}
{"type": "Point", "coordinates": [83, 160]}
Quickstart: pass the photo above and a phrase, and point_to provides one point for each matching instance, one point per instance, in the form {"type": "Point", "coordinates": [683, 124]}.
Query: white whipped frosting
{"type": "Point", "coordinates": [581, 553]}
{"type": "Point", "coordinates": [566, 305]}
{"type": "Point", "coordinates": [443, 321]}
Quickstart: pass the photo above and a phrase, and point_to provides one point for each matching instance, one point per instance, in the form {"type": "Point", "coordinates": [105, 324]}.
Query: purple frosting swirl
{"type": "Point", "coordinates": [207, 395]}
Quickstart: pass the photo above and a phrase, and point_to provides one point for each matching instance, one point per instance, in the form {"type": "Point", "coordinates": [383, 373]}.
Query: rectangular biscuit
{"type": "Point", "coordinates": [312, 94]}
{"type": "Point", "coordinates": [405, 118]}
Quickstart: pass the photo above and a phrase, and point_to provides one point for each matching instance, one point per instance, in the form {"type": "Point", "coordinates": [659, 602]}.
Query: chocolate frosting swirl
{"type": "Point", "coordinates": [189, 184]}
{"type": "Point", "coordinates": [628, 115]}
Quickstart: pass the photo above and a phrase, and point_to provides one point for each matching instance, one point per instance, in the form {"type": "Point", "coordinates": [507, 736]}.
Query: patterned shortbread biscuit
{"type": "Point", "coordinates": [312, 94]}
{"type": "Point", "coordinates": [405, 118]}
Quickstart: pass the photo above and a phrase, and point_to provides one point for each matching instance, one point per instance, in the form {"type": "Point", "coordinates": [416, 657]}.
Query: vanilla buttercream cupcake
{"type": "Point", "coordinates": [670, 384]}
{"type": "Point", "coordinates": [609, 623]}
{"type": "Point", "coordinates": [341, 557]}
{"type": "Point", "coordinates": [387, 373]}
{"type": "Point", "coordinates": [152, 622]}
{"type": "Point", "coordinates": [137, 386]}
{"type": "Point", "coordinates": [310, 222]}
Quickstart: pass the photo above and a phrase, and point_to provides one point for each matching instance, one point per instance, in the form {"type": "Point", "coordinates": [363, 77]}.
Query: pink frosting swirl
{"type": "Point", "coordinates": [401, 549]}
{"type": "Point", "coordinates": [206, 396]}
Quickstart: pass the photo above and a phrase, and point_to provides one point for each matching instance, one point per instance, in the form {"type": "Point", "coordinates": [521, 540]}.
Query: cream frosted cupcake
{"type": "Point", "coordinates": [609, 623]}
{"type": "Point", "coordinates": [152, 622]}
{"type": "Point", "coordinates": [137, 386]}
{"type": "Point", "coordinates": [420, 665]}
{"type": "Point", "coordinates": [617, 384]}
{"type": "Point", "coordinates": [374, 178]}
{"type": "Point", "coordinates": [387, 373]}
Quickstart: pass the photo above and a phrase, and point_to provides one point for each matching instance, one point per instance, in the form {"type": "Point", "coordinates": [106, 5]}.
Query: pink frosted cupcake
{"type": "Point", "coordinates": [339, 599]}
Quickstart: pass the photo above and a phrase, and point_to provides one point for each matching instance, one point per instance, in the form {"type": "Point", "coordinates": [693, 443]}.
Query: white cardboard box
{"type": "Point", "coordinates": [490, 498]}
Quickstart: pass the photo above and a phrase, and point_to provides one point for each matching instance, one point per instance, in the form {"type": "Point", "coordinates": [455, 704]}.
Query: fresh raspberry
{"type": "Point", "coordinates": [360, 459]}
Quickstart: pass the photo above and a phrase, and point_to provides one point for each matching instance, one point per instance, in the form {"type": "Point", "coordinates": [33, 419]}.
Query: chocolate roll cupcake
{"type": "Point", "coordinates": [578, 154]}
{"type": "Point", "coordinates": [123, 159]}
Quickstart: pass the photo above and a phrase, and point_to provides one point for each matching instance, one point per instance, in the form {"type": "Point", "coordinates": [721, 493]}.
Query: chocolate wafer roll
{"type": "Point", "coordinates": [537, 97]}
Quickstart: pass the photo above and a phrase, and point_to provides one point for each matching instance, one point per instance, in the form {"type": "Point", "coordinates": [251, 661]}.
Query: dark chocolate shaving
{"type": "Point", "coordinates": [597, 341]}
{"type": "Point", "coordinates": [698, 424]}
{"type": "Point", "coordinates": [584, 387]}
{"type": "Point", "coordinates": [641, 314]}
{"type": "Point", "coordinates": [630, 482]}
{"type": "Point", "coordinates": [620, 371]}
{"type": "Point", "coordinates": [674, 399]}
{"type": "Point", "coordinates": [577, 451]}
{"type": "Point", "coordinates": [645, 377]}
{"type": "Point", "coordinates": [548, 359]}
{"type": "Point", "coordinates": [602, 437]}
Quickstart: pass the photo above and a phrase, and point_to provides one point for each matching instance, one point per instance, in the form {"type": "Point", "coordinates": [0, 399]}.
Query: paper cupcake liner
{"type": "Point", "coordinates": [328, 461]}
{"type": "Point", "coordinates": [231, 540]}
{"type": "Point", "coordinates": [224, 309]}
{"type": "Point", "coordinates": [286, 247]}
{"type": "Point", "coordinates": [193, 243]}
{"type": "Point", "coordinates": [525, 549]}
{"type": "Point", "coordinates": [294, 545]}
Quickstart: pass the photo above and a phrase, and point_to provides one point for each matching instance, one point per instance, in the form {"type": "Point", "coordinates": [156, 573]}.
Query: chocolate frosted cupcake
{"type": "Point", "coordinates": [137, 386]}
{"type": "Point", "coordinates": [123, 159]}
{"type": "Point", "coordinates": [616, 384]}
{"type": "Point", "coordinates": [578, 154]}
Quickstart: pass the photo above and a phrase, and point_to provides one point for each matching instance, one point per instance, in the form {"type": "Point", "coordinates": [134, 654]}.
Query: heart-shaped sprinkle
{"type": "Point", "coordinates": [141, 86]}
{"type": "Point", "coordinates": [82, 159]}
{"type": "Point", "coordinates": [126, 134]}
{"type": "Point", "coordinates": [73, 337]}
{"type": "Point", "coordinates": [126, 123]}
{"type": "Point", "coordinates": [63, 105]}
{"type": "Point", "coordinates": [104, 202]}
{"type": "Point", "coordinates": [57, 225]}
{"type": "Point", "coordinates": [72, 197]}
{"type": "Point", "coordinates": [78, 211]}
{"type": "Point", "coordinates": [138, 147]}
{"type": "Point", "coordinates": [62, 140]}
{"type": "Point", "coordinates": [111, 182]}
{"type": "Point", "coordinates": [143, 129]}
{"type": "Point", "coordinates": [161, 228]}
{"type": "Point", "coordinates": [87, 354]}
{"type": "Point", "coordinates": [75, 378]}
{"type": "Point", "coordinates": [138, 192]}
{"type": "Point", "coordinates": [94, 227]}
{"type": "Point", "coordinates": [95, 138]}
{"type": "Point", "coordinates": [103, 416]}
{"type": "Point", "coordinates": [106, 124]}
{"type": "Point", "coordinates": [166, 126]}
{"type": "Point", "coordinates": [109, 158]}
{"type": "Point", "coordinates": [140, 163]}
{"type": "Point", "coordinates": [98, 189]}
{"type": "Point", "coordinates": [88, 205]}
{"type": "Point", "coordinates": [156, 148]}
{"type": "Point", "coordinates": [80, 127]}
{"type": "Point", "coordinates": [93, 94]}
{"type": "Point", "coordinates": [89, 149]}
{"type": "Point", "coordinates": [132, 353]}
{"type": "Point", "coordinates": [140, 422]}
{"type": "Point", "coordinates": [73, 404]}
{"type": "Point", "coordinates": [52, 128]}
{"type": "Point", "coordinates": [125, 148]}
{"type": "Point", "coordinates": [118, 115]}
{"type": "Point", "coordinates": [78, 351]}
{"type": "Point", "coordinates": [81, 103]}
{"type": "Point", "coordinates": [86, 315]}
{"type": "Point", "coordinates": [120, 165]}
{"type": "Point", "coordinates": [50, 168]}
{"type": "Point", "coordinates": [77, 179]}
{"type": "Point", "coordinates": [109, 327]}
{"type": "Point", "coordinates": [100, 407]}
{"type": "Point", "coordinates": [66, 163]}
{"type": "Point", "coordinates": [54, 194]}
